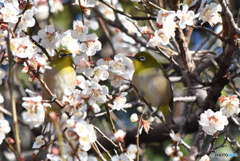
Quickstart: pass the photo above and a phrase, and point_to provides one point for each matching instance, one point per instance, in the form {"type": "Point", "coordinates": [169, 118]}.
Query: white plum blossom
{"type": "Point", "coordinates": [83, 156]}
{"type": "Point", "coordinates": [122, 66]}
{"type": "Point", "coordinates": [42, 9]}
{"type": "Point", "coordinates": [163, 17]}
{"type": "Point", "coordinates": [37, 62]}
{"type": "Point", "coordinates": [39, 142]}
{"type": "Point", "coordinates": [53, 157]}
{"type": "Point", "coordinates": [79, 29]}
{"type": "Point", "coordinates": [74, 103]}
{"type": "Point", "coordinates": [22, 47]}
{"type": "Point", "coordinates": [212, 122]}
{"type": "Point", "coordinates": [186, 17]}
{"type": "Point", "coordinates": [106, 12]}
{"type": "Point", "coordinates": [131, 151]}
{"type": "Point", "coordinates": [175, 137]}
{"type": "Point", "coordinates": [124, 44]}
{"type": "Point", "coordinates": [98, 93]}
{"type": "Point", "coordinates": [121, 69]}
{"type": "Point", "coordinates": [91, 23]}
{"type": "Point", "coordinates": [81, 82]}
{"type": "Point", "coordinates": [146, 30]}
{"type": "Point", "coordinates": [10, 12]}
{"type": "Point", "coordinates": [121, 157]}
{"type": "Point", "coordinates": [86, 135]}
{"type": "Point", "coordinates": [134, 117]}
{"type": "Point", "coordinates": [90, 44]}
{"type": "Point", "coordinates": [27, 20]}
{"type": "Point", "coordinates": [131, 25]}
{"type": "Point", "coordinates": [119, 135]}
{"type": "Point", "coordinates": [210, 13]}
{"type": "Point", "coordinates": [170, 150]}
{"type": "Point", "coordinates": [48, 37]}
{"type": "Point", "coordinates": [94, 91]}
{"type": "Point", "coordinates": [205, 158]}
{"type": "Point", "coordinates": [160, 38]}
{"type": "Point", "coordinates": [120, 103]}
{"type": "Point", "coordinates": [83, 65]}
{"type": "Point", "coordinates": [85, 3]}
{"type": "Point", "coordinates": [79, 155]}
{"type": "Point", "coordinates": [2, 75]}
{"type": "Point", "coordinates": [166, 21]}
{"type": "Point", "coordinates": [67, 42]}
{"type": "Point", "coordinates": [229, 105]}
{"type": "Point", "coordinates": [174, 152]}
{"type": "Point", "coordinates": [3, 35]}
{"type": "Point", "coordinates": [100, 73]}
{"type": "Point", "coordinates": [56, 5]}
{"type": "Point", "coordinates": [35, 114]}
{"type": "Point", "coordinates": [85, 131]}
{"type": "Point", "coordinates": [1, 99]}
{"type": "Point", "coordinates": [4, 129]}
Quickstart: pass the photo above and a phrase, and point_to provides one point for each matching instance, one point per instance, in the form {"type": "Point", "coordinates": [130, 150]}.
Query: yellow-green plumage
{"type": "Point", "coordinates": [61, 77]}
{"type": "Point", "coordinates": [151, 82]}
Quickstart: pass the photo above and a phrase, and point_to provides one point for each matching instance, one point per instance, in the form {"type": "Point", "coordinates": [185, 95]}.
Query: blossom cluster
{"type": "Point", "coordinates": [4, 125]}
{"type": "Point", "coordinates": [212, 122]}
{"type": "Point", "coordinates": [168, 21]}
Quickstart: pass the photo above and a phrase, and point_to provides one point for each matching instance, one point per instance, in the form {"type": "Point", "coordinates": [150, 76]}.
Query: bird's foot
{"type": "Point", "coordinates": [159, 115]}
{"type": "Point", "coordinates": [53, 99]}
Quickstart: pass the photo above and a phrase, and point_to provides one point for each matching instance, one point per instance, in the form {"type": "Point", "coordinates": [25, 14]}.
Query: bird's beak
{"type": "Point", "coordinates": [131, 57]}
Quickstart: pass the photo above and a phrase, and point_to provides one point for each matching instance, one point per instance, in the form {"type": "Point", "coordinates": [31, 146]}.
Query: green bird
{"type": "Point", "coordinates": [61, 76]}
{"type": "Point", "coordinates": [152, 83]}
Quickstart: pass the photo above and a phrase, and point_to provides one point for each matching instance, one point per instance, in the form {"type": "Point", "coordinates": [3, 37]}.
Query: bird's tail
{"type": "Point", "coordinates": [167, 112]}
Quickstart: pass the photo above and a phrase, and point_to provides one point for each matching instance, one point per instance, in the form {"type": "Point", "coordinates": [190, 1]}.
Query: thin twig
{"type": "Point", "coordinates": [209, 31]}
{"type": "Point", "coordinates": [105, 136]}
{"type": "Point", "coordinates": [8, 113]}
{"type": "Point", "coordinates": [95, 147]}
{"type": "Point", "coordinates": [50, 92]}
{"type": "Point", "coordinates": [104, 113]}
{"type": "Point", "coordinates": [125, 14]}
{"type": "Point", "coordinates": [59, 138]}
{"type": "Point", "coordinates": [45, 86]}
{"type": "Point", "coordinates": [113, 126]}
{"type": "Point", "coordinates": [138, 135]}
{"type": "Point", "coordinates": [105, 30]}
{"type": "Point", "coordinates": [82, 10]}
{"type": "Point", "coordinates": [12, 97]}
{"type": "Point", "coordinates": [229, 15]}
{"type": "Point", "coordinates": [104, 149]}
{"type": "Point", "coordinates": [185, 145]}
{"type": "Point", "coordinates": [154, 5]}
{"type": "Point", "coordinates": [19, 19]}
{"type": "Point", "coordinates": [39, 46]}
{"type": "Point", "coordinates": [185, 99]}
{"type": "Point", "coordinates": [5, 111]}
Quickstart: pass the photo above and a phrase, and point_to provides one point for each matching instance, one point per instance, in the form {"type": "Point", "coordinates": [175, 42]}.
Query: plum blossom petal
{"type": "Point", "coordinates": [229, 105]}
{"type": "Point", "coordinates": [212, 122]}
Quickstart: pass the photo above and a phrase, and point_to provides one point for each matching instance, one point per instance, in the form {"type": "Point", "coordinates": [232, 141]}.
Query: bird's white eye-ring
{"type": "Point", "coordinates": [61, 55]}
{"type": "Point", "coordinates": [142, 58]}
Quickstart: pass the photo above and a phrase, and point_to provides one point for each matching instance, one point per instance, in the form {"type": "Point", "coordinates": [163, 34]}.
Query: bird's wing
{"type": "Point", "coordinates": [159, 91]}
{"type": "Point", "coordinates": [154, 87]}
